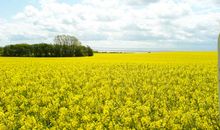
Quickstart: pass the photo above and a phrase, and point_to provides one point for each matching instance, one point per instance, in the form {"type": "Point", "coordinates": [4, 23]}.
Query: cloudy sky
{"type": "Point", "coordinates": [143, 24]}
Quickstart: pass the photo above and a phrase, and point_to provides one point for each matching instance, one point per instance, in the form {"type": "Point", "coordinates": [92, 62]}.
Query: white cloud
{"type": "Point", "coordinates": [153, 23]}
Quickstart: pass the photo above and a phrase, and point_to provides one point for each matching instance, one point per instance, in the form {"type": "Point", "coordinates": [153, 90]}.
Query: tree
{"type": "Point", "coordinates": [1, 51]}
{"type": "Point", "coordinates": [22, 50]}
{"type": "Point", "coordinates": [65, 45]}
{"type": "Point", "coordinates": [90, 51]}
{"type": "Point", "coordinates": [42, 50]}
{"type": "Point", "coordinates": [17, 50]}
{"type": "Point", "coordinates": [66, 40]}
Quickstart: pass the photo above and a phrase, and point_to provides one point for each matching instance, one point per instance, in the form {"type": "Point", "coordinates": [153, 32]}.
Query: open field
{"type": "Point", "coordinates": [173, 90]}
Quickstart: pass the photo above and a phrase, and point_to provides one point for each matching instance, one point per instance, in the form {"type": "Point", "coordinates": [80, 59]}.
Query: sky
{"type": "Point", "coordinates": [107, 24]}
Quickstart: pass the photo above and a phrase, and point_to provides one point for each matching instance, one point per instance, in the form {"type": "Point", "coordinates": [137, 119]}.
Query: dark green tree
{"type": "Point", "coordinates": [90, 51]}
{"type": "Point", "coordinates": [1, 51]}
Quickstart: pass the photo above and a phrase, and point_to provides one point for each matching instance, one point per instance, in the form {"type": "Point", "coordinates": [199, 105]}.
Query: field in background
{"type": "Point", "coordinates": [174, 90]}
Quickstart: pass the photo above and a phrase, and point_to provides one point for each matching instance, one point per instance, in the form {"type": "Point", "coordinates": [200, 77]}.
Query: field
{"type": "Point", "coordinates": [173, 90]}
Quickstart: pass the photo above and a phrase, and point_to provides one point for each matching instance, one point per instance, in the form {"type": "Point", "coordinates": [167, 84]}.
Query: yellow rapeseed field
{"type": "Point", "coordinates": [173, 90]}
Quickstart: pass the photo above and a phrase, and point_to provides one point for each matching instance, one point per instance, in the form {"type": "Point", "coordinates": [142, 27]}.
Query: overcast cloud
{"type": "Point", "coordinates": [150, 24]}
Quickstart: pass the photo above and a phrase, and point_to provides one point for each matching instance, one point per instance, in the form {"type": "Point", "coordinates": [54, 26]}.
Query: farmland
{"type": "Point", "coordinates": [172, 90]}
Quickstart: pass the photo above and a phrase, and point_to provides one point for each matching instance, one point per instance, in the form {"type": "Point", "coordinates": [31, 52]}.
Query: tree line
{"type": "Point", "coordinates": [64, 46]}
